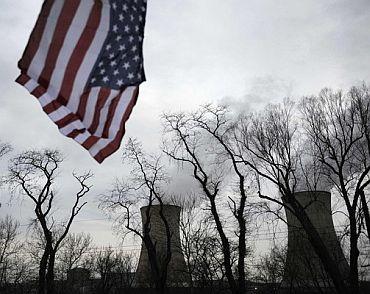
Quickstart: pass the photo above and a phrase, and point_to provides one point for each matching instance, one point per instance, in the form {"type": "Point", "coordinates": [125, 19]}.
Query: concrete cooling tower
{"type": "Point", "coordinates": [177, 273]}
{"type": "Point", "coordinates": [303, 269]}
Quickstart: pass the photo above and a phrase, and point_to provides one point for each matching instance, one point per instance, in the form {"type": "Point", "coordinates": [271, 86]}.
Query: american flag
{"type": "Point", "coordinates": [84, 64]}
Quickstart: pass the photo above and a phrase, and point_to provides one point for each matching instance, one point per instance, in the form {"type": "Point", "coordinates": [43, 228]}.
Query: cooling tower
{"type": "Point", "coordinates": [177, 273]}
{"type": "Point", "coordinates": [303, 269]}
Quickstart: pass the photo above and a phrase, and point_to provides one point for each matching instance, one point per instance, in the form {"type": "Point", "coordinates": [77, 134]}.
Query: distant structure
{"type": "Point", "coordinates": [177, 273]}
{"type": "Point", "coordinates": [303, 269]}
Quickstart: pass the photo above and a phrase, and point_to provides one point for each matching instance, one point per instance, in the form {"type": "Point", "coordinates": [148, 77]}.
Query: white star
{"type": "Point", "coordinates": [119, 37]}
{"type": "Point", "coordinates": [134, 8]}
{"type": "Point", "coordinates": [114, 5]}
{"type": "Point", "coordinates": [136, 58]}
{"type": "Point", "coordinates": [136, 28]}
{"type": "Point", "coordinates": [121, 17]}
{"type": "Point", "coordinates": [111, 55]}
{"type": "Point", "coordinates": [139, 75]}
{"type": "Point", "coordinates": [140, 18]}
{"type": "Point", "coordinates": [105, 79]}
{"type": "Point", "coordinates": [119, 83]}
{"type": "Point", "coordinates": [132, 17]}
{"type": "Point", "coordinates": [101, 63]}
{"type": "Point", "coordinates": [102, 71]}
{"type": "Point", "coordinates": [140, 38]}
{"type": "Point", "coordinates": [93, 80]}
{"type": "Point", "coordinates": [124, 56]}
{"type": "Point", "coordinates": [113, 63]}
{"type": "Point", "coordinates": [126, 65]}
{"type": "Point", "coordinates": [122, 47]}
{"type": "Point", "coordinates": [116, 72]}
{"type": "Point", "coordinates": [124, 7]}
{"type": "Point", "coordinates": [134, 48]}
{"type": "Point", "coordinates": [131, 39]}
{"type": "Point", "coordinates": [115, 28]}
{"type": "Point", "coordinates": [108, 47]}
{"type": "Point", "coordinates": [142, 8]}
{"type": "Point", "coordinates": [130, 76]}
{"type": "Point", "coordinates": [127, 29]}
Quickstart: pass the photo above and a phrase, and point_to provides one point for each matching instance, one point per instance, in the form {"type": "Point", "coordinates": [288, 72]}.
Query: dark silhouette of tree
{"type": "Point", "coordinates": [72, 249]}
{"type": "Point", "coordinates": [9, 247]}
{"type": "Point", "coordinates": [200, 141]}
{"type": "Point", "coordinates": [143, 188]}
{"type": "Point", "coordinates": [33, 174]}
{"type": "Point", "coordinates": [338, 127]}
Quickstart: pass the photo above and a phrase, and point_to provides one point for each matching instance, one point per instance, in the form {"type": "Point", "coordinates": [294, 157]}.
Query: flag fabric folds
{"type": "Point", "coordinates": [84, 63]}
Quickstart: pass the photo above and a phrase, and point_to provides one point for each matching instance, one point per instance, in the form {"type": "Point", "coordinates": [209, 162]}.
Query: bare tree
{"type": "Point", "coordinates": [114, 269]}
{"type": "Point", "coordinates": [338, 126]}
{"type": "Point", "coordinates": [9, 247]}
{"type": "Point", "coordinates": [143, 188]}
{"type": "Point", "coordinates": [5, 148]}
{"type": "Point", "coordinates": [71, 251]}
{"type": "Point", "coordinates": [32, 174]}
{"type": "Point", "coordinates": [200, 141]}
{"type": "Point", "coordinates": [200, 245]}
{"type": "Point", "coordinates": [270, 268]}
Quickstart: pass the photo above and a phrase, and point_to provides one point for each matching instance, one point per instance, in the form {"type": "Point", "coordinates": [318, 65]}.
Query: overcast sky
{"type": "Point", "coordinates": [244, 52]}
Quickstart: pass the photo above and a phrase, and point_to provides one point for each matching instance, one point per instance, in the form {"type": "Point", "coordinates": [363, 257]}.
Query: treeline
{"type": "Point", "coordinates": [245, 165]}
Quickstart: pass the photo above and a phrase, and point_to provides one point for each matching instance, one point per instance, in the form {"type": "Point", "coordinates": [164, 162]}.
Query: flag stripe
{"type": "Point", "coordinates": [80, 51]}
{"type": "Point", "coordinates": [63, 25]}
{"type": "Point", "coordinates": [102, 98]}
{"type": "Point", "coordinates": [36, 34]}
{"type": "Point", "coordinates": [62, 58]}
{"type": "Point", "coordinates": [113, 146]}
{"type": "Point", "coordinates": [104, 113]}
{"type": "Point", "coordinates": [38, 61]}
{"type": "Point", "coordinates": [83, 73]}
{"type": "Point", "coordinates": [126, 97]}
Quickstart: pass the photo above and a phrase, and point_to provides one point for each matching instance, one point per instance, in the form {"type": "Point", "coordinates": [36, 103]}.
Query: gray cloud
{"type": "Point", "coordinates": [196, 52]}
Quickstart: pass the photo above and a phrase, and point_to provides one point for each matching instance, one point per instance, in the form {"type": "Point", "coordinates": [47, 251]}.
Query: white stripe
{"type": "Point", "coordinates": [90, 59]}
{"type": "Point", "coordinates": [120, 110]}
{"type": "Point", "coordinates": [31, 85]}
{"type": "Point", "coordinates": [38, 61]}
{"type": "Point", "coordinates": [57, 114]}
{"type": "Point", "coordinates": [45, 99]}
{"type": "Point", "coordinates": [75, 125]}
{"type": "Point", "coordinates": [72, 37]}
{"type": "Point", "coordinates": [104, 113]}
{"type": "Point", "coordinates": [117, 119]}
{"type": "Point", "coordinates": [82, 137]}
{"type": "Point", "coordinates": [90, 107]}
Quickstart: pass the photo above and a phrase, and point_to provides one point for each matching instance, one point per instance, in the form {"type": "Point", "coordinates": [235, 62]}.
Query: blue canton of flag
{"type": "Point", "coordinates": [121, 61]}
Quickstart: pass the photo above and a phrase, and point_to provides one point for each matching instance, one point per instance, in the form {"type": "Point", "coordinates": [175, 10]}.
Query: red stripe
{"type": "Point", "coordinates": [90, 142]}
{"type": "Point", "coordinates": [116, 143]}
{"type": "Point", "coordinates": [111, 112]}
{"type": "Point", "coordinates": [36, 36]}
{"type": "Point", "coordinates": [102, 98]}
{"type": "Point", "coordinates": [64, 22]}
{"type": "Point", "coordinates": [22, 79]}
{"type": "Point", "coordinates": [51, 107]}
{"type": "Point", "coordinates": [82, 105]}
{"type": "Point", "coordinates": [69, 118]}
{"type": "Point", "coordinates": [79, 53]}
{"type": "Point", "coordinates": [75, 133]}
{"type": "Point", "coordinates": [38, 91]}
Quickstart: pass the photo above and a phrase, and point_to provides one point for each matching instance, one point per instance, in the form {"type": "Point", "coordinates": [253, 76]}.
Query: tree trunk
{"type": "Point", "coordinates": [42, 272]}
{"type": "Point", "coordinates": [354, 254]}
{"type": "Point", "coordinates": [50, 274]}
{"type": "Point", "coordinates": [365, 209]}
{"type": "Point", "coordinates": [226, 249]}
